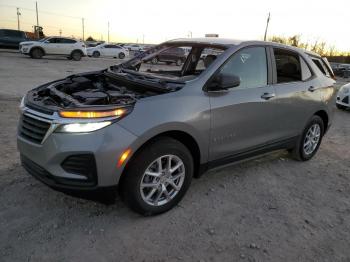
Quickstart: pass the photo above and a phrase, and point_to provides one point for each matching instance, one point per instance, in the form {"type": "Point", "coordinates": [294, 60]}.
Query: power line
{"type": "Point", "coordinates": [41, 11]}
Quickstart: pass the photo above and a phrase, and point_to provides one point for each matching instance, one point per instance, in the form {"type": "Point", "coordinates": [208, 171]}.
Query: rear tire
{"type": "Point", "coordinates": [76, 55]}
{"type": "Point", "coordinates": [36, 53]}
{"type": "Point", "coordinates": [121, 56]}
{"type": "Point", "coordinates": [310, 140]}
{"type": "Point", "coordinates": [165, 188]}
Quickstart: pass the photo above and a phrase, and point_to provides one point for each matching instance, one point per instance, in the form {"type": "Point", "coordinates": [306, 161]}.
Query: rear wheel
{"type": "Point", "coordinates": [121, 55]}
{"type": "Point", "coordinates": [310, 140]}
{"type": "Point", "coordinates": [76, 55]}
{"type": "Point", "coordinates": [158, 177]}
{"type": "Point", "coordinates": [36, 53]}
{"type": "Point", "coordinates": [96, 54]}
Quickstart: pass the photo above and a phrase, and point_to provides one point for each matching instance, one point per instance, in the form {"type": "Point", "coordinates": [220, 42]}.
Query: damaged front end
{"type": "Point", "coordinates": [96, 90]}
{"type": "Point", "coordinates": [84, 102]}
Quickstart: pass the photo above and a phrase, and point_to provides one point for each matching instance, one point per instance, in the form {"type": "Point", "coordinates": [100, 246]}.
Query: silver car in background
{"type": "Point", "coordinates": [151, 128]}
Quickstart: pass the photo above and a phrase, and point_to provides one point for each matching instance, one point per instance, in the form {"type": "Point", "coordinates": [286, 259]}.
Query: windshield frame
{"type": "Point", "coordinates": [135, 62]}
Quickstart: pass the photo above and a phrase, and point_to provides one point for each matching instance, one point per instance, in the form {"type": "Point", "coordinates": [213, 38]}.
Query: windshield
{"type": "Point", "coordinates": [175, 61]}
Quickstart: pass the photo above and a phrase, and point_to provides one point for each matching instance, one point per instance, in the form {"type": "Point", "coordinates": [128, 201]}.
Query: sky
{"type": "Point", "coordinates": [155, 21]}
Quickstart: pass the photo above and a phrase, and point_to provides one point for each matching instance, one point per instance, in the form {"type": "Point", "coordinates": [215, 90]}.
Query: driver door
{"type": "Point", "coordinates": [242, 118]}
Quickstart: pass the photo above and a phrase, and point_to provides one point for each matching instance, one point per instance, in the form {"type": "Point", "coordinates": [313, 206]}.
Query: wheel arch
{"type": "Point", "coordinates": [325, 118]}
{"type": "Point", "coordinates": [37, 47]}
{"type": "Point", "coordinates": [183, 137]}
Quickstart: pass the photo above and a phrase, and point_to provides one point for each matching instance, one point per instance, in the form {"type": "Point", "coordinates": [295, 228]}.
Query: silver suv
{"type": "Point", "coordinates": [149, 128]}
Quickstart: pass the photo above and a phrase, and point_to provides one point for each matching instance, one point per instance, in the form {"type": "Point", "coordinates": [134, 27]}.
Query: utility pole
{"type": "Point", "coordinates": [143, 39]}
{"type": "Point", "coordinates": [267, 25]}
{"type": "Point", "coordinates": [18, 14]}
{"type": "Point", "coordinates": [82, 20]}
{"type": "Point", "coordinates": [37, 20]}
{"type": "Point", "coordinates": [108, 33]}
{"type": "Point", "coordinates": [60, 32]}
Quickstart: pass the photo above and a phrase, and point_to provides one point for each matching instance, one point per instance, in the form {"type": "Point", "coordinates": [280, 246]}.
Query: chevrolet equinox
{"type": "Point", "coordinates": [149, 128]}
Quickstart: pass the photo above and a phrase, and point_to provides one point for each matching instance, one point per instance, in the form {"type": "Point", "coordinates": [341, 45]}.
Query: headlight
{"type": "Point", "coordinates": [82, 127]}
{"type": "Point", "coordinates": [346, 90]}
{"type": "Point", "coordinates": [115, 113]}
{"type": "Point", "coordinates": [27, 44]}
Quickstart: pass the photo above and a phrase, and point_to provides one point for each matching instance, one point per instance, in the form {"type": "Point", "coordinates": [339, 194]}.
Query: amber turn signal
{"type": "Point", "coordinates": [93, 114]}
{"type": "Point", "coordinates": [123, 157]}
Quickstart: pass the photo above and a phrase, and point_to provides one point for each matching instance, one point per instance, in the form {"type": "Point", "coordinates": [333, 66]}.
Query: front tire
{"type": "Point", "coordinates": [121, 55]}
{"type": "Point", "coordinates": [36, 53]}
{"type": "Point", "coordinates": [310, 140]}
{"type": "Point", "coordinates": [157, 177]}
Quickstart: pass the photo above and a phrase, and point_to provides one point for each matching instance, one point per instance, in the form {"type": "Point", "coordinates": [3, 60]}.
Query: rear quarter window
{"type": "Point", "coordinates": [322, 66]}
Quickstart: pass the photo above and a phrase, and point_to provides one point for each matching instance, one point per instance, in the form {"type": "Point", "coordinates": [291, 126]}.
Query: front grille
{"type": "Point", "coordinates": [346, 100]}
{"type": "Point", "coordinates": [33, 129]}
{"type": "Point", "coordinates": [82, 164]}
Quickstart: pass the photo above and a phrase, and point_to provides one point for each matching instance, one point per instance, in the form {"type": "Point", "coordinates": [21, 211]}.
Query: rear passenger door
{"type": "Point", "coordinates": [297, 94]}
{"type": "Point", "coordinates": [243, 117]}
{"type": "Point", "coordinates": [65, 46]}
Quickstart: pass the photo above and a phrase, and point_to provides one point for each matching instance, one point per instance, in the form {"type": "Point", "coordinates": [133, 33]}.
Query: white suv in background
{"type": "Point", "coordinates": [108, 50]}
{"type": "Point", "coordinates": [73, 49]}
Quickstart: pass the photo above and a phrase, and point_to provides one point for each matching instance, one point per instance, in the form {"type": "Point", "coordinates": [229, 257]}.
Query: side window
{"type": "Point", "coordinates": [249, 65]}
{"type": "Point", "coordinates": [287, 66]}
{"type": "Point", "coordinates": [52, 40]}
{"type": "Point", "coordinates": [66, 41]}
{"type": "Point", "coordinates": [305, 70]}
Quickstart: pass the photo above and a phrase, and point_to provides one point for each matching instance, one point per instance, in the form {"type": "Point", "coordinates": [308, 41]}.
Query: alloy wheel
{"type": "Point", "coordinates": [162, 180]}
{"type": "Point", "coordinates": [312, 139]}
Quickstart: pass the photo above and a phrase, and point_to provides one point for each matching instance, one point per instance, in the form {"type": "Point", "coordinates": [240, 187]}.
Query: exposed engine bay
{"type": "Point", "coordinates": [103, 88]}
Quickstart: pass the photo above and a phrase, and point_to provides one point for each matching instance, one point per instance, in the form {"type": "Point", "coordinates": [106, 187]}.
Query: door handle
{"type": "Point", "coordinates": [267, 96]}
{"type": "Point", "coordinates": [311, 88]}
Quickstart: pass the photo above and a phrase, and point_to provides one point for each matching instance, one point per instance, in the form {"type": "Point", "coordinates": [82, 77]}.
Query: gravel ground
{"type": "Point", "coordinates": [271, 208]}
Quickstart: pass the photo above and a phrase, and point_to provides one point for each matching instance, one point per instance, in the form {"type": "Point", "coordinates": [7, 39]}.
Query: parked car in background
{"type": "Point", "coordinates": [11, 38]}
{"type": "Point", "coordinates": [151, 129]}
{"type": "Point", "coordinates": [175, 55]}
{"type": "Point", "coordinates": [72, 48]}
{"type": "Point", "coordinates": [108, 50]}
{"type": "Point", "coordinates": [342, 70]}
{"type": "Point", "coordinates": [343, 97]}
{"type": "Point", "coordinates": [92, 43]}
{"type": "Point", "coordinates": [133, 47]}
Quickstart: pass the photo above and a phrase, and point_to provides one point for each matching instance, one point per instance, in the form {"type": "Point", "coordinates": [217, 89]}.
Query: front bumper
{"type": "Point", "coordinates": [45, 160]}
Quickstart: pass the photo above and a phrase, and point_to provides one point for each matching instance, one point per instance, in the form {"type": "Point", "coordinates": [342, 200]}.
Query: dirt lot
{"type": "Point", "coordinates": [268, 209]}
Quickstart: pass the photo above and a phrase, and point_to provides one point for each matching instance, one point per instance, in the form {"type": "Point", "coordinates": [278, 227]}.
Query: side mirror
{"type": "Point", "coordinates": [47, 42]}
{"type": "Point", "coordinates": [224, 82]}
